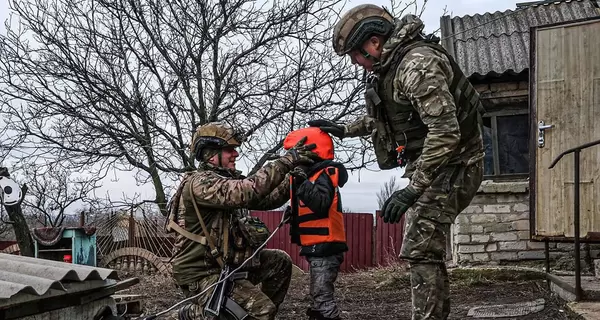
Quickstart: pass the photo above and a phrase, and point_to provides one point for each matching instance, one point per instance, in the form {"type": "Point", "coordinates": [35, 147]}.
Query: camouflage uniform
{"type": "Point", "coordinates": [429, 108]}
{"type": "Point", "coordinates": [225, 195]}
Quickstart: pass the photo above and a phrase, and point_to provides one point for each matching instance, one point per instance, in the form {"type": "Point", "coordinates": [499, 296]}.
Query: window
{"type": "Point", "coordinates": [506, 143]}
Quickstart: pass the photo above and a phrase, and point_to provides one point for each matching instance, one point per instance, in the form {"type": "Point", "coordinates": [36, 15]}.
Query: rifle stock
{"type": "Point", "coordinates": [220, 305]}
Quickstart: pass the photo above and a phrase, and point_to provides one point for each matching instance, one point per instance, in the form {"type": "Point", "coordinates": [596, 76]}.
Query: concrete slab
{"type": "Point", "coordinates": [564, 286]}
{"type": "Point", "coordinates": [587, 310]}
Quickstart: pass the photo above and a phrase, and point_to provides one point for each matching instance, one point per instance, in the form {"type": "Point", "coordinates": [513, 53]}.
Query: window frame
{"type": "Point", "coordinates": [493, 116]}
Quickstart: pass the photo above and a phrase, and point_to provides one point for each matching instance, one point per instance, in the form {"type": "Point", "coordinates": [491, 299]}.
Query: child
{"type": "Point", "coordinates": [316, 220]}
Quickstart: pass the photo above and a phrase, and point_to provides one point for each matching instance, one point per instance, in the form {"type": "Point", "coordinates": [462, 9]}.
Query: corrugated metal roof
{"type": "Point", "coordinates": [19, 274]}
{"type": "Point", "coordinates": [492, 44]}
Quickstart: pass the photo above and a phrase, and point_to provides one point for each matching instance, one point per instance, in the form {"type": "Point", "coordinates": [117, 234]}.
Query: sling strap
{"type": "Point", "coordinates": [214, 251]}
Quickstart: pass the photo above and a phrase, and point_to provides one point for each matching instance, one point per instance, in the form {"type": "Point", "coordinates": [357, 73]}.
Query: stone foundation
{"type": "Point", "coordinates": [495, 227]}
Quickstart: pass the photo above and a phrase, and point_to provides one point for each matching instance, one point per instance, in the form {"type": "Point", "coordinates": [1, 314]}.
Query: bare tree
{"type": "Point", "coordinates": [123, 84]}
{"type": "Point", "coordinates": [54, 190]}
{"type": "Point", "coordinates": [17, 220]}
{"type": "Point", "coordinates": [387, 190]}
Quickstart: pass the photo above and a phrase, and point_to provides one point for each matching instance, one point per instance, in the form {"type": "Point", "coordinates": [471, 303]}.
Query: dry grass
{"type": "Point", "coordinates": [381, 292]}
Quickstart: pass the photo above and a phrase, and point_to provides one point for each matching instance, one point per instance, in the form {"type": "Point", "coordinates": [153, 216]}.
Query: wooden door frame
{"type": "Point", "coordinates": [533, 146]}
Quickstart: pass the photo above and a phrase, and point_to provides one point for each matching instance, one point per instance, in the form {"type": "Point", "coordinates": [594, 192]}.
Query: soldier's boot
{"type": "Point", "coordinates": [316, 315]}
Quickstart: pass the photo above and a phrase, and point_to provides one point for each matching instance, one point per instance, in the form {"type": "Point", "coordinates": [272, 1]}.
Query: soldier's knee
{"type": "Point", "coordinates": [189, 311]}
{"type": "Point", "coordinates": [283, 259]}
{"type": "Point", "coordinates": [263, 309]}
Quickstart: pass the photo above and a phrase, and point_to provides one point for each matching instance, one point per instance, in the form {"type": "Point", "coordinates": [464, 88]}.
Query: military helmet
{"type": "Point", "coordinates": [358, 24]}
{"type": "Point", "coordinates": [214, 135]}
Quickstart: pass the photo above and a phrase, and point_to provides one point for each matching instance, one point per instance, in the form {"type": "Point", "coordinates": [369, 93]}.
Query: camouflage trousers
{"type": "Point", "coordinates": [274, 275]}
{"type": "Point", "coordinates": [323, 273]}
{"type": "Point", "coordinates": [424, 246]}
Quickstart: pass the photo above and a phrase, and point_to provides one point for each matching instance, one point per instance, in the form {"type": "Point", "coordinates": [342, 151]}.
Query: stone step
{"type": "Point", "coordinates": [588, 310]}
{"type": "Point", "coordinates": [564, 286]}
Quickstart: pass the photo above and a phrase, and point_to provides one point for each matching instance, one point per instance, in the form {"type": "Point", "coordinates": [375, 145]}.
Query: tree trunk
{"type": "Point", "coordinates": [21, 229]}
{"type": "Point", "coordinates": [18, 222]}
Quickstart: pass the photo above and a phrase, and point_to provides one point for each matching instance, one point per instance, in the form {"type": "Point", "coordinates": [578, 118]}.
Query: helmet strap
{"type": "Point", "coordinates": [368, 55]}
{"type": "Point", "coordinates": [220, 154]}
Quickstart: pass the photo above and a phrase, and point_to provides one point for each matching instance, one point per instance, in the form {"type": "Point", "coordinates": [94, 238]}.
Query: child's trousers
{"type": "Point", "coordinates": [323, 273]}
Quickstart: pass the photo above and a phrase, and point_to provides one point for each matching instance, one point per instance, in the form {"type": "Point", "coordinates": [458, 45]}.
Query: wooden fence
{"type": "Point", "coordinates": [370, 244]}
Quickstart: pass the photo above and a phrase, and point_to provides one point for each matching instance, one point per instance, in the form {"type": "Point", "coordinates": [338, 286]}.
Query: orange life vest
{"type": "Point", "coordinates": [313, 228]}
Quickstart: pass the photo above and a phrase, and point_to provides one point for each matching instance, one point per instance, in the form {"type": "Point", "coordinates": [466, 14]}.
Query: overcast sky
{"type": "Point", "coordinates": [360, 192]}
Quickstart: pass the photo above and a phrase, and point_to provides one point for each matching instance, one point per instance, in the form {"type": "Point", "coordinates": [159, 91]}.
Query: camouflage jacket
{"type": "Point", "coordinates": [423, 77]}
{"type": "Point", "coordinates": [218, 193]}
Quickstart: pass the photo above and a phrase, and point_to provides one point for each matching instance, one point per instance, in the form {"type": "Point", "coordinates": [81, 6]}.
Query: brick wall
{"type": "Point", "coordinates": [495, 228]}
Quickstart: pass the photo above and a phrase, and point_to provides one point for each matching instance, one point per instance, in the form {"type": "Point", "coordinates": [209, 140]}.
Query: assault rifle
{"type": "Point", "coordinates": [293, 213]}
{"type": "Point", "coordinates": [220, 305]}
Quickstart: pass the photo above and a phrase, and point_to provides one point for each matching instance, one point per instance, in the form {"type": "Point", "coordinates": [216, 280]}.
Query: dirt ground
{"type": "Point", "coordinates": [384, 293]}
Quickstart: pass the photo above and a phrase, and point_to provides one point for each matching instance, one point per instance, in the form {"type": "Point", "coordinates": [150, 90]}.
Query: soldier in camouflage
{"type": "Point", "coordinates": [207, 212]}
{"type": "Point", "coordinates": [422, 113]}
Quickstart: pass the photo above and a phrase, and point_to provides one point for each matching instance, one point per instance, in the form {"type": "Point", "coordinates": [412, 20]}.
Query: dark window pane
{"type": "Point", "coordinates": [513, 144]}
{"type": "Point", "coordinates": [488, 160]}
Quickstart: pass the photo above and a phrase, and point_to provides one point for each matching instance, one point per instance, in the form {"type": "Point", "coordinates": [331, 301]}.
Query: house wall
{"type": "Point", "coordinates": [496, 226]}
{"type": "Point", "coordinates": [500, 94]}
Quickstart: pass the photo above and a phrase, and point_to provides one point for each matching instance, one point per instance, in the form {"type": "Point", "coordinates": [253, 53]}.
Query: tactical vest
{"type": "Point", "coordinates": [319, 227]}
{"type": "Point", "coordinates": [398, 122]}
{"type": "Point", "coordinates": [231, 238]}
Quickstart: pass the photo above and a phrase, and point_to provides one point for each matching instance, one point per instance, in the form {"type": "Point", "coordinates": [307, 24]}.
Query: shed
{"type": "Point", "coordinates": [493, 51]}
{"type": "Point", "coordinates": [55, 243]}
{"type": "Point", "coordinates": [32, 288]}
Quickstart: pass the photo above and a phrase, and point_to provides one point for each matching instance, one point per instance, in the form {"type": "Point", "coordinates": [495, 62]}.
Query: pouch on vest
{"type": "Point", "coordinates": [385, 152]}
{"type": "Point", "coordinates": [254, 231]}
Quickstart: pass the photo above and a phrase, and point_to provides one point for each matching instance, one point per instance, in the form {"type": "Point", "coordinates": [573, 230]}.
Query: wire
{"type": "Point", "coordinates": [154, 316]}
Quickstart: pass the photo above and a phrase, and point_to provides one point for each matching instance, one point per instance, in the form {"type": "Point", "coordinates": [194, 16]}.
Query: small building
{"type": "Point", "coordinates": [493, 51]}
{"type": "Point", "coordinates": [73, 244]}
{"type": "Point", "coordinates": [41, 289]}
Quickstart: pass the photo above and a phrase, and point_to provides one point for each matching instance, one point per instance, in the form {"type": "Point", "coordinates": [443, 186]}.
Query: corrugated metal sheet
{"type": "Point", "coordinates": [19, 274]}
{"type": "Point", "coordinates": [492, 44]}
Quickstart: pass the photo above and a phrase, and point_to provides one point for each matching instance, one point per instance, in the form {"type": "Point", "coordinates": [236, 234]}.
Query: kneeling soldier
{"type": "Point", "coordinates": [215, 232]}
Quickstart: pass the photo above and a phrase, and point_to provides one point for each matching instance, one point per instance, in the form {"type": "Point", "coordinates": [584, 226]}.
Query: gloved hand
{"type": "Point", "coordinates": [299, 175]}
{"type": "Point", "coordinates": [398, 203]}
{"type": "Point", "coordinates": [329, 127]}
{"type": "Point", "coordinates": [301, 154]}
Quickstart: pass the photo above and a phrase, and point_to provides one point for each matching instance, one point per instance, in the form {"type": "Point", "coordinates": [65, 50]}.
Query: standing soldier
{"type": "Point", "coordinates": [422, 113]}
{"type": "Point", "coordinates": [210, 214]}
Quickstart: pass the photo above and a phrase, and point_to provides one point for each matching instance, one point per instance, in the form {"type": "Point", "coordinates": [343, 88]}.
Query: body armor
{"type": "Point", "coordinates": [398, 124]}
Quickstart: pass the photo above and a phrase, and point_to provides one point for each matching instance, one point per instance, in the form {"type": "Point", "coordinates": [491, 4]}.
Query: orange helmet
{"type": "Point", "coordinates": [314, 135]}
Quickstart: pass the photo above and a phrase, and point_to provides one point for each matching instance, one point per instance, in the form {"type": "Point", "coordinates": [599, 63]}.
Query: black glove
{"type": "Point", "coordinates": [398, 203]}
{"type": "Point", "coordinates": [329, 127]}
{"type": "Point", "coordinates": [300, 154]}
